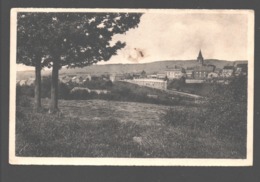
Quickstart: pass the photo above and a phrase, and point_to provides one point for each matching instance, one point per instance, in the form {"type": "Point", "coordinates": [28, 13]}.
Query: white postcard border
{"type": "Point", "coordinates": [130, 161]}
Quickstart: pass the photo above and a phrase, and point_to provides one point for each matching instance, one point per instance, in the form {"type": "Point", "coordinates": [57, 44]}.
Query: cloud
{"type": "Point", "coordinates": [181, 36]}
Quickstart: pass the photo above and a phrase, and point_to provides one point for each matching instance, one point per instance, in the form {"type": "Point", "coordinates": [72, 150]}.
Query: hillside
{"type": "Point", "coordinates": [24, 75]}
{"type": "Point", "coordinates": [147, 67]}
{"type": "Point", "coordinates": [130, 68]}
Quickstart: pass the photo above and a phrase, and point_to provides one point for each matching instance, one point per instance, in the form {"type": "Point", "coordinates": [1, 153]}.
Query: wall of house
{"type": "Point", "coordinates": [193, 81]}
{"type": "Point", "coordinates": [174, 74]}
{"type": "Point", "coordinates": [153, 83]}
{"type": "Point", "coordinates": [227, 73]}
{"type": "Point", "coordinates": [200, 74]}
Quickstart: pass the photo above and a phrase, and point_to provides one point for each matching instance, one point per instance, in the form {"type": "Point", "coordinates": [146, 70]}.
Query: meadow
{"type": "Point", "coordinates": [128, 124]}
{"type": "Point", "coordinates": [99, 128]}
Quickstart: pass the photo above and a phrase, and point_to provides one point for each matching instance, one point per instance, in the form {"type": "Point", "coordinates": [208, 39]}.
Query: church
{"type": "Point", "coordinates": [202, 70]}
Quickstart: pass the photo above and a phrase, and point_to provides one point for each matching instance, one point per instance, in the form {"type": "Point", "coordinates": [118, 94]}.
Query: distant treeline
{"type": "Point", "coordinates": [119, 91]}
{"type": "Point", "coordinates": [122, 91]}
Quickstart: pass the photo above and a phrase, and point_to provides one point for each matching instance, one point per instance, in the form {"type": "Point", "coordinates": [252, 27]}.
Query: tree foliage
{"type": "Point", "coordinates": [69, 39]}
{"type": "Point", "coordinates": [31, 39]}
{"type": "Point", "coordinates": [73, 39]}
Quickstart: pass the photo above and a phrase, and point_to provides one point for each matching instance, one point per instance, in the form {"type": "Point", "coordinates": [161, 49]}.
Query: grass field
{"type": "Point", "coordinates": [98, 128]}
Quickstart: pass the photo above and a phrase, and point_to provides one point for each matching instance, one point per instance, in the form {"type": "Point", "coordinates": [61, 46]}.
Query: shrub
{"type": "Point", "coordinates": [24, 90]}
{"type": "Point", "coordinates": [225, 112]}
{"type": "Point", "coordinates": [98, 84]}
{"type": "Point", "coordinates": [177, 84]}
{"type": "Point", "coordinates": [227, 108]}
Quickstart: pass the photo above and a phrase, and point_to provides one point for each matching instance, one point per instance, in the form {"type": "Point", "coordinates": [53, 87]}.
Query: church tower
{"type": "Point", "coordinates": [200, 58]}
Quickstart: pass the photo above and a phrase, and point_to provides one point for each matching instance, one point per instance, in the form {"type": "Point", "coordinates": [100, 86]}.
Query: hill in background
{"type": "Point", "coordinates": [130, 68]}
{"type": "Point", "coordinates": [147, 67]}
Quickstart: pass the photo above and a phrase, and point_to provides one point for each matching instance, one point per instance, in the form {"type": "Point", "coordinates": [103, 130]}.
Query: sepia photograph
{"type": "Point", "coordinates": [131, 87]}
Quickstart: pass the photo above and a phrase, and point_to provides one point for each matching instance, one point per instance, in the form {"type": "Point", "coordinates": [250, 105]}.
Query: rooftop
{"type": "Point", "coordinates": [150, 80]}
{"type": "Point", "coordinates": [228, 67]}
{"type": "Point", "coordinates": [242, 65]}
{"type": "Point", "coordinates": [204, 68]}
{"type": "Point", "coordinates": [174, 69]}
{"type": "Point", "coordinates": [200, 55]}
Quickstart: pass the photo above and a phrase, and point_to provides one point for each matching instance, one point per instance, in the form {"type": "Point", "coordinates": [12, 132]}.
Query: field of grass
{"type": "Point", "coordinates": [98, 128]}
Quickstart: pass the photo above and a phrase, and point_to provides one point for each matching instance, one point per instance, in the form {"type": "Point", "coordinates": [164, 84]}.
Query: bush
{"type": "Point", "coordinates": [98, 84]}
{"type": "Point", "coordinates": [177, 84]}
{"type": "Point", "coordinates": [135, 93]}
{"type": "Point", "coordinates": [228, 108]}
{"type": "Point", "coordinates": [24, 90]}
{"type": "Point", "coordinates": [225, 112]}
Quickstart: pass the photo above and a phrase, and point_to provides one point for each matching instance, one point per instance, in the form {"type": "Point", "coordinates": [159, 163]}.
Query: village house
{"type": "Point", "coordinates": [227, 71]}
{"type": "Point", "coordinates": [174, 73]}
{"type": "Point", "coordinates": [194, 81]}
{"type": "Point", "coordinates": [77, 79]}
{"type": "Point", "coordinates": [213, 75]}
{"type": "Point", "coordinates": [241, 69]}
{"type": "Point", "coordinates": [65, 79]}
{"type": "Point", "coordinates": [218, 71]}
{"type": "Point", "coordinates": [189, 73]}
{"type": "Point", "coordinates": [201, 72]}
{"type": "Point", "coordinates": [152, 76]}
{"type": "Point", "coordinates": [161, 75]}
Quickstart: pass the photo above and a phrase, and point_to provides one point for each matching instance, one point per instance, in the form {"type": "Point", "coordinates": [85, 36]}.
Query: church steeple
{"type": "Point", "coordinates": [200, 58]}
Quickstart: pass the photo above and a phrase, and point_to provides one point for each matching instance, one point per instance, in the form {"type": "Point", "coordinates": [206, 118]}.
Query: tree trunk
{"type": "Point", "coordinates": [37, 88]}
{"type": "Point", "coordinates": [54, 87]}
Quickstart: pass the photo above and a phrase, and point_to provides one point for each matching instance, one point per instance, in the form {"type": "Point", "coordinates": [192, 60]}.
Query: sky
{"type": "Point", "coordinates": [181, 36]}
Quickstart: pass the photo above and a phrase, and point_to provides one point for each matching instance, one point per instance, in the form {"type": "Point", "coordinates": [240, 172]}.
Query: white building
{"type": "Point", "coordinates": [153, 83]}
{"type": "Point", "coordinates": [227, 71]}
{"type": "Point", "coordinates": [213, 75]}
{"type": "Point", "coordinates": [161, 75]}
{"type": "Point", "coordinates": [174, 73]}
